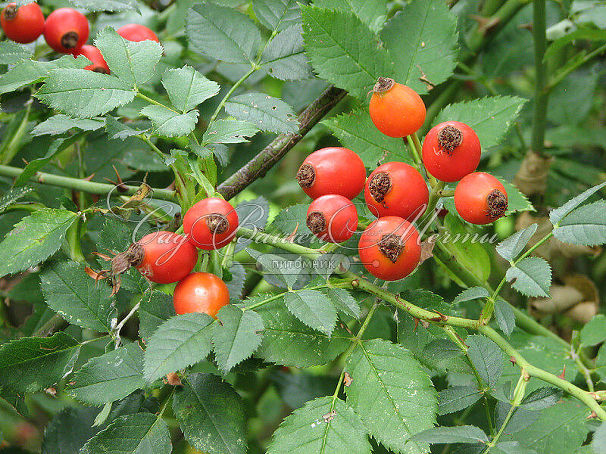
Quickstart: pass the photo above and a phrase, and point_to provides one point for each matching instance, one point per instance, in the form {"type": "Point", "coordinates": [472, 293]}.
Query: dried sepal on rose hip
{"type": "Point", "coordinates": [200, 292]}
{"type": "Point", "coordinates": [211, 223]}
{"type": "Point", "coordinates": [480, 198]}
{"type": "Point", "coordinates": [332, 170]}
{"type": "Point", "coordinates": [66, 30]}
{"type": "Point", "coordinates": [22, 24]}
{"type": "Point", "coordinates": [451, 150]}
{"type": "Point", "coordinates": [396, 189]}
{"type": "Point", "coordinates": [332, 218]}
{"type": "Point", "coordinates": [162, 257]}
{"type": "Point", "coordinates": [390, 248]}
{"type": "Point", "coordinates": [395, 109]}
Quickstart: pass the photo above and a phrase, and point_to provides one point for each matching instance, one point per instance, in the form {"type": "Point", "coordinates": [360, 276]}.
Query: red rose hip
{"type": "Point", "coordinates": [332, 218]}
{"type": "Point", "coordinates": [24, 24]}
{"type": "Point", "coordinates": [333, 170]}
{"type": "Point", "coordinates": [211, 223]}
{"type": "Point", "coordinates": [137, 33]}
{"type": "Point", "coordinates": [99, 64]}
{"type": "Point", "coordinates": [200, 292]}
{"type": "Point", "coordinates": [451, 150]}
{"type": "Point", "coordinates": [480, 198]}
{"type": "Point", "coordinates": [66, 30]}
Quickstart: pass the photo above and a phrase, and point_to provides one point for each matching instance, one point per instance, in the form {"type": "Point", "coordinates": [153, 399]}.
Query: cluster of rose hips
{"type": "Point", "coordinates": [167, 257]}
{"type": "Point", "coordinates": [395, 192]}
{"type": "Point", "coordinates": [65, 30]}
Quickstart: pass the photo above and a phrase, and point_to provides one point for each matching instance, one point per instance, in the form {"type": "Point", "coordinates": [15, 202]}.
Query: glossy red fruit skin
{"type": "Point", "coordinates": [340, 217]}
{"type": "Point", "coordinates": [337, 170]}
{"type": "Point", "coordinates": [380, 265]}
{"type": "Point", "coordinates": [472, 197]}
{"type": "Point", "coordinates": [407, 197]}
{"type": "Point", "coordinates": [26, 26]}
{"type": "Point", "coordinates": [94, 55]}
{"type": "Point", "coordinates": [168, 257]}
{"type": "Point", "coordinates": [195, 223]}
{"type": "Point", "coordinates": [451, 163]}
{"type": "Point", "coordinates": [200, 292]}
{"type": "Point", "coordinates": [137, 33]}
{"type": "Point", "coordinates": [397, 111]}
{"type": "Point", "coordinates": [60, 24]}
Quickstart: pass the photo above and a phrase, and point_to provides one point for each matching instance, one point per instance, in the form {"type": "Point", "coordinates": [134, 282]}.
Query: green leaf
{"type": "Point", "coordinates": [118, 130]}
{"type": "Point", "coordinates": [504, 315]}
{"type": "Point", "coordinates": [510, 248]}
{"type": "Point", "coordinates": [154, 311]}
{"type": "Point", "coordinates": [237, 336]}
{"type": "Point", "coordinates": [392, 393]}
{"type": "Point", "coordinates": [12, 53]}
{"type": "Point", "coordinates": [516, 200]}
{"type": "Point", "coordinates": [343, 50]}
{"type": "Point", "coordinates": [211, 415]}
{"type": "Point", "coordinates": [555, 216]}
{"type": "Point", "coordinates": [422, 42]}
{"type": "Point", "coordinates": [141, 433]}
{"type": "Point", "coordinates": [187, 88]}
{"type": "Point", "coordinates": [586, 34]}
{"type": "Point", "coordinates": [178, 343]}
{"type": "Point", "coordinates": [531, 276]}
{"type": "Point", "coordinates": [60, 124]}
{"type": "Point", "coordinates": [470, 294]}
{"type": "Point", "coordinates": [449, 435]}
{"type": "Point", "coordinates": [284, 57]}
{"type": "Point", "coordinates": [321, 426]}
{"type": "Point", "coordinates": [29, 71]}
{"type": "Point", "coordinates": [560, 429]}
{"type": "Point", "coordinates": [106, 5]}
{"type": "Point", "coordinates": [36, 363]}
{"type": "Point", "coordinates": [586, 225]}
{"type": "Point", "coordinates": [69, 430]}
{"type": "Point", "coordinates": [83, 93]}
{"type": "Point", "coordinates": [267, 113]}
{"type": "Point", "coordinates": [228, 131]}
{"type": "Point", "coordinates": [594, 332]}
{"type": "Point", "coordinates": [277, 15]}
{"type": "Point", "coordinates": [169, 123]}
{"type": "Point", "coordinates": [344, 302]}
{"type": "Point", "coordinates": [70, 292]}
{"type": "Point", "coordinates": [222, 33]}
{"type": "Point", "coordinates": [486, 357]}
{"type": "Point", "coordinates": [313, 308]}
{"type": "Point", "coordinates": [490, 117]}
{"type": "Point", "coordinates": [11, 196]}
{"type": "Point", "coordinates": [109, 377]}
{"type": "Point", "coordinates": [371, 13]}
{"type": "Point", "coordinates": [541, 399]}
{"type": "Point", "coordinates": [356, 131]}
{"type": "Point", "coordinates": [288, 342]}
{"type": "Point", "coordinates": [34, 239]}
{"type": "Point", "coordinates": [132, 62]}
{"type": "Point", "coordinates": [599, 440]}
{"type": "Point", "coordinates": [456, 398]}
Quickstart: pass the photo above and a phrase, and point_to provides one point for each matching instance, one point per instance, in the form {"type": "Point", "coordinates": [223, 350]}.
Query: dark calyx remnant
{"type": "Point", "coordinates": [133, 256]}
{"type": "Point", "coordinates": [10, 12]}
{"type": "Point", "coordinates": [99, 69]}
{"type": "Point", "coordinates": [497, 204]}
{"type": "Point", "coordinates": [70, 40]}
{"type": "Point", "coordinates": [391, 246]}
{"type": "Point", "coordinates": [379, 185]}
{"type": "Point", "coordinates": [316, 222]}
{"type": "Point", "coordinates": [450, 138]}
{"type": "Point", "coordinates": [306, 176]}
{"type": "Point", "coordinates": [383, 84]}
{"type": "Point", "coordinates": [217, 223]}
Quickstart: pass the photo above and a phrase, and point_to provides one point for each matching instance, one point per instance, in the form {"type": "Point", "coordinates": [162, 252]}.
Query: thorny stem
{"type": "Point", "coordinates": [89, 187]}
{"type": "Point", "coordinates": [359, 283]}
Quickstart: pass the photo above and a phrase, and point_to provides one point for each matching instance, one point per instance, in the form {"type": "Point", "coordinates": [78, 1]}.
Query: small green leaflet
{"type": "Point", "coordinates": [313, 308]}
{"type": "Point", "coordinates": [267, 113]}
{"type": "Point", "coordinates": [586, 225]}
{"type": "Point", "coordinates": [594, 332]}
{"type": "Point", "coordinates": [531, 276]}
{"type": "Point", "coordinates": [321, 426]}
{"type": "Point", "coordinates": [228, 131]}
{"type": "Point", "coordinates": [511, 247]}
{"type": "Point", "coordinates": [187, 88]}
{"type": "Point", "coordinates": [37, 362]}
{"type": "Point", "coordinates": [237, 336]}
{"type": "Point", "coordinates": [486, 357]}
{"type": "Point", "coordinates": [12, 195]}
{"type": "Point", "coordinates": [555, 216]}
{"type": "Point", "coordinates": [60, 124]}
{"type": "Point", "coordinates": [448, 435]}
{"type": "Point", "coordinates": [472, 293]}
{"type": "Point", "coordinates": [106, 5]}
{"type": "Point", "coordinates": [456, 398]}
{"type": "Point", "coordinates": [139, 433]}
{"type": "Point", "coordinates": [211, 415]}
{"type": "Point", "coordinates": [284, 57]}
{"type": "Point", "coordinates": [12, 53]}
{"type": "Point", "coordinates": [179, 342]}
{"type": "Point", "coordinates": [343, 50]}
{"type": "Point", "coordinates": [154, 310]}
{"type": "Point", "coordinates": [169, 123]}
{"type": "Point", "coordinates": [277, 14]}
{"type": "Point", "coordinates": [34, 239]}
{"type": "Point", "coordinates": [371, 13]}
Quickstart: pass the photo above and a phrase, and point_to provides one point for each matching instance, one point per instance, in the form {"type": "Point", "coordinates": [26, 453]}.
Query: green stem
{"type": "Point", "coordinates": [413, 152]}
{"type": "Point", "coordinates": [519, 392]}
{"type": "Point", "coordinates": [153, 101]}
{"type": "Point", "coordinates": [561, 75]}
{"type": "Point", "coordinates": [230, 92]}
{"type": "Point", "coordinates": [89, 187]}
{"type": "Point", "coordinates": [541, 97]}
{"type": "Point", "coordinates": [13, 146]}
